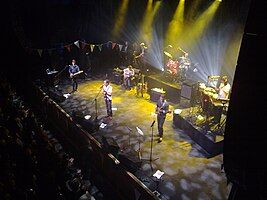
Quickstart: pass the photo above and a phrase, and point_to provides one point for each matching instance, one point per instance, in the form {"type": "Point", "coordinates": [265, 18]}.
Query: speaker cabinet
{"type": "Point", "coordinates": [189, 91]}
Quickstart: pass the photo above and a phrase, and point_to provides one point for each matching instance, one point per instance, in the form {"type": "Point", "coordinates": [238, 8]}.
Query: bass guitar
{"type": "Point", "coordinates": [75, 74]}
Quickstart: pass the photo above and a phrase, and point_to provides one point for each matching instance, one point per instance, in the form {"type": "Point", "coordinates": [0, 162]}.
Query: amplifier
{"type": "Point", "coordinates": [155, 94]}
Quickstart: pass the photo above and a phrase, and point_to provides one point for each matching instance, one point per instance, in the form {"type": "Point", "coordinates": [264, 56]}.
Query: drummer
{"type": "Point", "coordinates": [185, 61]}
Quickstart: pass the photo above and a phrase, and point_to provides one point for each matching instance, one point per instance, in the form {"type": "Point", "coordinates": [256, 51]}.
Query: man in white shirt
{"type": "Point", "coordinates": [128, 73]}
{"type": "Point", "coordinates": [224, 88]}
{"type": "Point", "coordinates": [107, 91]}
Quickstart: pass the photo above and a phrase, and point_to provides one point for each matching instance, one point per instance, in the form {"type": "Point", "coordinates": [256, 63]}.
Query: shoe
{"type": "Point", "coordinates": [160, 140]}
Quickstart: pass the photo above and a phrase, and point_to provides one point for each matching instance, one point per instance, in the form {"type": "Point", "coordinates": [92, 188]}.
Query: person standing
{"type": "Point", "coordinates": [139, 56]}
{"type": "Point", "coordinates": [73, 69]}
{"type": "Point", "coordinates": [107, 91]}
{"type": "Point", "coordinates": [128, 74]}
{"type": "Point", "coordinates": [162, 108]}
{"type": "Point", "coordinates": [224, 88]}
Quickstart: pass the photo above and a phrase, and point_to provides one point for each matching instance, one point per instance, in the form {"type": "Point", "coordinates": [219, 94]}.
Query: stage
{"type": "Point", "coordinates": [186, 164]}
{"type": "Point", "coordinates": [203, 133]}
{"type": "Point", "coordinates": [173, 90]}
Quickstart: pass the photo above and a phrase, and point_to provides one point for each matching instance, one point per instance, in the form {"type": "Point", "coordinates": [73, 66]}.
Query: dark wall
{"type": "Point", "coordinates": [246, 133]}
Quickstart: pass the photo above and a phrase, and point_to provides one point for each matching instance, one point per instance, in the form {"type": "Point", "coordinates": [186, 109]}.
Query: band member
{"type": "Point", "coordinates": [126, 60]}
{"type": "Point", "coordinates": [139, 56]}
{"type": "Point", "coordinates": [73, 68]}
{"type": "Point", "coordinates": [161, 110]}
{"type": "Point", "coordinates": [107, 91]}
{"type": "Point", "coordinates": [184, 65]}
{"type": "Point", "coordinates": [224, 88]}
{"type": "Point", "coordinates": [128, 74]}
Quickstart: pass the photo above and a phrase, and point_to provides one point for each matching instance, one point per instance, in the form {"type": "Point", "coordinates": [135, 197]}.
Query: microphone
{"type": "Point", "coordinates": [152, 123]}
{"type": "Point", "coordinates": [101, 86]}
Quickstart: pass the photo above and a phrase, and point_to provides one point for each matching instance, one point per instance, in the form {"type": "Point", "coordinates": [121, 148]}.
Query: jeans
{"type": "Point", "coordinates": [161, 119]}
{"type": "Point", "coordinates": [109, 107]}
{"type": "Point", "coordinates": [74, 84]}
{"type": "Point", "coordinates": [127, 82]}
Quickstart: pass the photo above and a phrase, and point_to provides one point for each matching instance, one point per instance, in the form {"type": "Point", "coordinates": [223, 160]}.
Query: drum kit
{"type": "Point", "coordinates": [177, 68]}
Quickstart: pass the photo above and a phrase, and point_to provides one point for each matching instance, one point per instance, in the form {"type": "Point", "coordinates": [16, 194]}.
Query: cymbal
{"type": "Point", "coordinates": [168, 54]}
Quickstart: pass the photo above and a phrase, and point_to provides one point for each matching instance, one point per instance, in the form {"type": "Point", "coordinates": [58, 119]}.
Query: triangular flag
{"type": "Point", "coordinates": [120, 46]}
{"type": "Point", "coordinates": [92, 46]}
{"type": "Point", "coordinates": [68, 47]}
{"type": "Point", "coordinates": [108, 44]}
{"type": "Point", "coordinates": [82, 44]}
{"type": "Point", "coordinates": [77, 43]}
{"type": "Point", "coordinates": [100, 46]}
{"type": "Point", "coordinates": [40, 52]}
{"type": "Point", "coordinates": [113, 45]}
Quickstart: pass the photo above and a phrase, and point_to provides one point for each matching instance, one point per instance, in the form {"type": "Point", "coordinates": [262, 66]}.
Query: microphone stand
{"type": "Point", "coordinates": [151, 146]}
{"type": "Point", "coordinates": [95, 101]}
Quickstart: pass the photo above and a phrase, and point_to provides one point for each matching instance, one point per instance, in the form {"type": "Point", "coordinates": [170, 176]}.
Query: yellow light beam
{"type": "Point", "coordinates": [176, 25]}
{"type": "Point", "coordinates": [120, 18]}
{"type": "Point", "coordinates": [146, 28]}
{"type": "Point", "coordinates": [201, 23]}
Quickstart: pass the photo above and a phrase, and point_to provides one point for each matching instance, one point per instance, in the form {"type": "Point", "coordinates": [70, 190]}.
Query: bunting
{"type": "Point", "coordinates": [120, 46]}
{"type": "Point", "coordinates": [92, 46]}
{"type": "Point", "coordinates": [40, 52]}
{"type": "Point", "coordinates": [83, 44]}
{"type": "Point", "coordinates": [113, 45]}
{"type": "Point", "coordinates": [77, 43]}
{"type": "Point", "coordinates": [68, 47]}
{"type": "Point", "coordinates": [100, 47]}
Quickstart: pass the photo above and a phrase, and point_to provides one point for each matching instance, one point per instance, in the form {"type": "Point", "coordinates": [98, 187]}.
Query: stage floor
{"type": "Point", "coordinates": [189, 174]}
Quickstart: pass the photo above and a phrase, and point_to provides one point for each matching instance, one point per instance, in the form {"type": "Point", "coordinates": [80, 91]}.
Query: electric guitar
{"type": "Point", "coordinates": [75, 74]}
{"type": "Point", "coordinates": [160, 111]}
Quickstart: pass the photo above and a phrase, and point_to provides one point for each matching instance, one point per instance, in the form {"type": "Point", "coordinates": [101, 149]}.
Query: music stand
{"type": "Point", "coordinates": [140, 132]}
{"type": "Point", "coordinates": [129, 137]}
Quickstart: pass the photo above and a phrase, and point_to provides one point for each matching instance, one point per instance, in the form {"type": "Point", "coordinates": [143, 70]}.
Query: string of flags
{"type": "Point", "coordinates": [78, 44]}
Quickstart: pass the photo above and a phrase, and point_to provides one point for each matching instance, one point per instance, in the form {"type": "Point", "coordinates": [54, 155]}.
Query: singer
{"type": "Point", "coordinates": [107, 92]}
{"type": "Point", "coordinates": [161, 110]}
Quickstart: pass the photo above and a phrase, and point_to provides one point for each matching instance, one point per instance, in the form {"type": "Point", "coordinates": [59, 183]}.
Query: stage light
{"type": "Point", "coordinates": [146, 27]}
{"type": "Point", "coordinates": [176, 25]}
{"type": "Point", "coordinates": [120, 18]}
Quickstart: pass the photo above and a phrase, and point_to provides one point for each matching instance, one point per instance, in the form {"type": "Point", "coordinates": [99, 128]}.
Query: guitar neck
{"type": "Point", "coordinates": [79, 72]}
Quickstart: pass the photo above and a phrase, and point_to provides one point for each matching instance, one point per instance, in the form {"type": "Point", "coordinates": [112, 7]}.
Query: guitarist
{"type": "Point", "coordinates": [161, 110]}
{"type": "Point", "coordinates": [73, 68]}
{"type": "Point", "coordinates": [107, 92]}
{"type": "Point", "coordinates": [128, 75]}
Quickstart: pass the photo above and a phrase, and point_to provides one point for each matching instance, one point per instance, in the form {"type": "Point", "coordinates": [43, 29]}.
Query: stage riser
{"type": "Point", "coordinates": [173, 94]}
{"type": "Point", "coordinates": [211, 147]}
